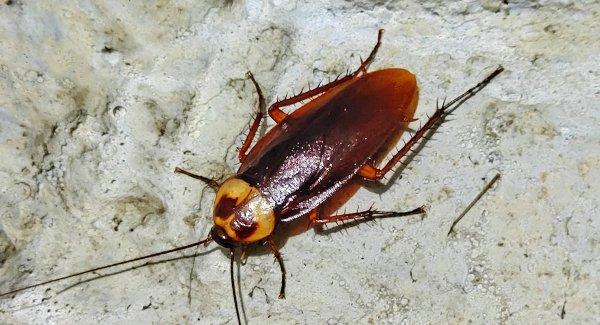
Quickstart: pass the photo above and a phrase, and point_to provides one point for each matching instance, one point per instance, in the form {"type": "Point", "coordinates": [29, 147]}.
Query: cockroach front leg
{"type": "Point", "coordinates": [275, 251]}
{"type": "Point", "coordinates": [209, 181]}
{"type": "Point", "coordinates": [256, 122]}
{"type": "Point", "coordinates": [278, 115]}
{"type": "Point", "coordinates": [363, 216]}
{"type": "Point", "coordinates": [372, 173]}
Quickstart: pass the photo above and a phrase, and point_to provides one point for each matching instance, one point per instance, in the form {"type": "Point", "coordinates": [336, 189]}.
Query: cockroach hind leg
{"type": "Point", "coordinates": [255, 122]}
{"type": "Point", "coordinates": [373, 173]}
{"type": "Point", "coordinates": [367, 215]}
{"type": "Point", "coordinates": [208, 181]}
{"type": "Point", "coordinates": [458, 101]}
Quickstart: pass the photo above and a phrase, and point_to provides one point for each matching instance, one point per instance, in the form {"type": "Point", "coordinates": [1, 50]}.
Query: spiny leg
{"type": "Point", "coordinates": [372, 173]}
{"type": "Point", "coordinates": [365, 215]}
{"type": "Point", "coordinates": [275, 251]}
{"type": "Point", "coordinates": [257, 119]}
{"type": "Point", "coordinates": [209, 181]}
{"type": "Point", "coordinates": [365, 64]}
{"type": "Point", "coordinates": [278, 115]}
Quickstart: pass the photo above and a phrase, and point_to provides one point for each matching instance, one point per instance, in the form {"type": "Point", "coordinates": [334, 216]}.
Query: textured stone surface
{"type": "Point", "coordinates": [100, 100]}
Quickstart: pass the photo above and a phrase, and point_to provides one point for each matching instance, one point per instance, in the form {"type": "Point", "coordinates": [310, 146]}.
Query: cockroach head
{"type": "Point", "coordinates": [242, 215]}
{"type": "Point", "coordinates": [220, 237]}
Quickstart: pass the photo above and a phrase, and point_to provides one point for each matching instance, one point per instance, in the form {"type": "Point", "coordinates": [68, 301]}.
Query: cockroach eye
{"type": "Point", "coordinates": [220, 237]}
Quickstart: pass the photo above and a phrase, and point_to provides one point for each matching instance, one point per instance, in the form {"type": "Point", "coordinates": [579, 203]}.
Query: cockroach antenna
{"type": "Point", "coordinates": [204, 241]}
{"type": "Point", "coordinates": [231, 261]}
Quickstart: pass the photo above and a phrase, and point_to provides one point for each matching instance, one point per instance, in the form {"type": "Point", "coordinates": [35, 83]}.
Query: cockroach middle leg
{"type": "Point", "coordinates": [275, 251]}
{"type": "Point", "coordinates": [209, 181]}
{"type": "Point", "coordinates": [365, 215]}
{"type": "Point", "coordinates": [278, 115]}
{"type": "Point", "coordinates": [372, 173]}
{"type": "Point", "coordinates": [365, 64]}
{"type": "Point", "coordinates": [256, 122]}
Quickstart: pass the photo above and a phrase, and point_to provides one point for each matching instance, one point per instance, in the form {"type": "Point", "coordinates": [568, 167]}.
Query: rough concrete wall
{"type": "Point", "coordinates": [100, 100]}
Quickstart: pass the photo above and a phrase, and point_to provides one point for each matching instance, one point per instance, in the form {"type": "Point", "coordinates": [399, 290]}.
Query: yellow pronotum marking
{"type": "Point", "coordinates": [249, 203]}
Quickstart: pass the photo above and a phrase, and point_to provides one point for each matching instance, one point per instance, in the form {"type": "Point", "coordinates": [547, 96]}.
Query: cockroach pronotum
{"type": "Point", "coordinates": [312, 157]}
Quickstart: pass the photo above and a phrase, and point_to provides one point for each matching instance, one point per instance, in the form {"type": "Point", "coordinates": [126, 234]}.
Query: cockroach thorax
{"type": "Point", "coordinates": [242, 215]}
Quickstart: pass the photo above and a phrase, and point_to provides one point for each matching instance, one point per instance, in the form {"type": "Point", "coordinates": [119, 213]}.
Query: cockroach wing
{"type": "Point", "coordinates": [317, 149]}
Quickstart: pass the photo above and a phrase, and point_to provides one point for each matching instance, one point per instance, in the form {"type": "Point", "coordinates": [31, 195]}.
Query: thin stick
{"type": "Point", "coordinates": [204, 241]}
{"type": "Point", "coordinates": [477, 198]}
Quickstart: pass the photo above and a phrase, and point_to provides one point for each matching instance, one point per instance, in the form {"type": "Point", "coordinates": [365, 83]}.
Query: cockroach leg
{"type": "Point", "coordinates": [312, 217]}
{"type": "Point", "coordinates": [278, 115]}
{"type": "Point", "coordinates": [366, 215]}
{"type": "Point", "coordinates": [275, 251]}
{"type": "Point", "coordinates": [372, 173]}
{"type": "Point", "coordinates": [257, 119]}
{"type": "Point", "coordinates": [365, 64]}
{"type": "Point", "coordinates": [209, 181]}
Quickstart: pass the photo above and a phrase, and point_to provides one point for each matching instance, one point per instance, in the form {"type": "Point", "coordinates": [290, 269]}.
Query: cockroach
{"type": "Point", "coordinates": [311, 157]}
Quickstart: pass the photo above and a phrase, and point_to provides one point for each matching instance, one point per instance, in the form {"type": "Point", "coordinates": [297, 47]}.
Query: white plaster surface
{"type": "Point", "coordinates": [100, 100]}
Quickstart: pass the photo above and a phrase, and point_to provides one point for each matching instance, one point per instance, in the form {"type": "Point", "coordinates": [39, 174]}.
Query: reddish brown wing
{"type": "Point", "coordinates": [306, 158]}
